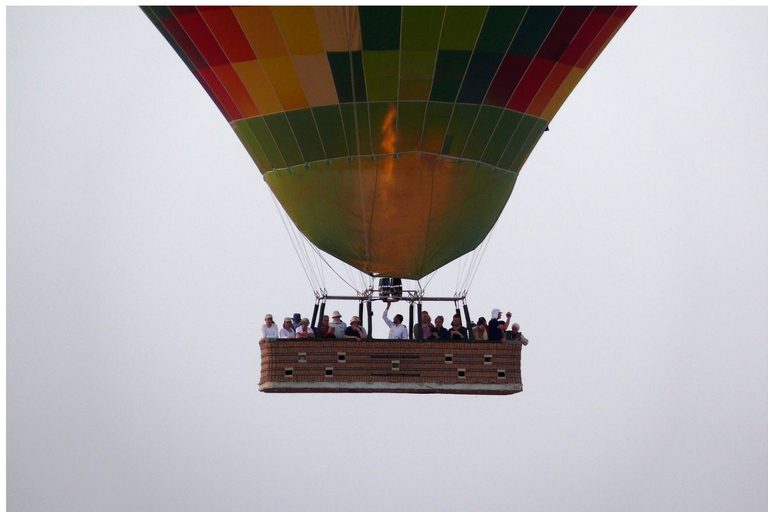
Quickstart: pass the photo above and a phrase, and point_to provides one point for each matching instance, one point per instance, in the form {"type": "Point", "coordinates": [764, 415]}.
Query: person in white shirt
{"type": "Point", "coordinates": [397, 331]}
{"type": "Point", "coordinates": [304, 330]}
{"type": "Point", "coordinates": [269, 329]}
{"type": "Point", "coordinates": [287, 329]}
{"type": "Point", "coordinates": [338, 325]}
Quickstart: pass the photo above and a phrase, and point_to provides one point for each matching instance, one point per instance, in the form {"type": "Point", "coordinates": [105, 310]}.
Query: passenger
{"type": "Point", "coordinates": [355, 331]}
{"type": "Point", "coordinates": [287, 330]}
{"type": "Point", "coordinates": [269, 329]}
{"type": "Point", "coordinates": [338, 325]}
{"type": "Point", "coordinates": [458, 331]}
{"type": "Point", "coordinates": [304, 330]}
{"type": "Point", "coordinates": [480, 331]}
{"type": "Point", "coordinates": [438, 332]}
{"type": "Point", "coordinates": [397, 331]}
{"type": "Point", "coordinates": [326, 330]}
{"type": "Point", "coordinates": [495, 327]}
{"type": "Point", "coordinates": [296, 321]}
{"type": "Point", "coordinates": [421, 331]}
{"type": "Point", "coordinates": [516, 336]}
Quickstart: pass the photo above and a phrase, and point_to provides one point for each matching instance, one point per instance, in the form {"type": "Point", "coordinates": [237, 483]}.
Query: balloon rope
{"type": "Point", "coordinates": [295, 243]}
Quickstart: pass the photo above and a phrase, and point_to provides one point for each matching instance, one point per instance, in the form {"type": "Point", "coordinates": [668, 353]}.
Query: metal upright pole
{"type": "Point", "coordinates": [470, 334]}
{"type": "Point", "coordinates": [418, 319]}
{"type": "Point", "coordinates": [320, 320]}
{"type": "Point", "coordinates": [370, 320]}
{"type": "Point", "coordinates": [314, 314]}
{"type": "Point", "coordinates": [410, 321]}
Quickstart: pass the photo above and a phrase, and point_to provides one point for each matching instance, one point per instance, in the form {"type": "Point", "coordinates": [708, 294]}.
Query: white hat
{"type": "Point", "coordinates": [268, 316]}
{"type": "Point", "coordinates": [336, 314]}
{"type": "Point", "coordinates": [495, 313]}
{"type": "Point", "coordinates": [354, 319]}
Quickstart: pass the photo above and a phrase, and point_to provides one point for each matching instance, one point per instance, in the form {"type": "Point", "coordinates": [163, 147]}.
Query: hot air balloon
{"type": "Point", "coordinates": [414, 121]}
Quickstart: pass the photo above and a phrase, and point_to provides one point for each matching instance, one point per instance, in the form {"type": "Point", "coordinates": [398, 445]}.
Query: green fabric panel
{"type": "Point", "coordinates": [380, 27]}
{"type": "Point", "coordinates": [435, 124]}
{"type": "Point", "coordinates": [281, 131]}
{"type": "Point", "coordinates": [410, 118]}
{"type": "Point", "coordinates": [529, 143]}
{"type": "Point", "coordinates": [357, 131]}
{"type": "Point", "coordinates": [342, 75]}
{"type": "Point", "coordinates": [331, 128]}
{"type": "Point", "coordinates": [485, 124]}
{"type": "Point", "coordinates": [266, 141]}
{"type": "Point", "coordinates": [449, 74]}
{"type": "Point", "coordinates": [348, 120]}
{"type": "Point", "coordinates": [416, 70]}
{"type": "Point", "coordinates": [504, 131]}
{"type": "Point", "coordinates": [421, 211]}
{"type": "Point", "coordinates": [421, 28]}
{"type": "Point", "coordinates": [244, 133]}
{"type": "Point", "coordinates": [305, 131]}
{"type": "Point", "coordinates": [378, 112]}
{"type": "Point", "coordinates": [461, 27]}
{"type": "Point", "coordinates": [461, 125]}
{"type": "Point", "coordinates": [499, 28]}
{"type": "Point", "coordinates": [381, 75]}
{"type": "Point", "coordinates": [470, 199]}
{"type": "Point", "coordinates": [527, 124]}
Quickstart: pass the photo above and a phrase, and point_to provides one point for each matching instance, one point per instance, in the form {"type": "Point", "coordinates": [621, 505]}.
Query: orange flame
{"type": "Point", "coordinates": [388, 138]}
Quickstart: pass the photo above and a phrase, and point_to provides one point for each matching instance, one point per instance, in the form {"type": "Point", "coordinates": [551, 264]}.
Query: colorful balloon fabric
{"type": "Point", "coordinates": [392, 136]}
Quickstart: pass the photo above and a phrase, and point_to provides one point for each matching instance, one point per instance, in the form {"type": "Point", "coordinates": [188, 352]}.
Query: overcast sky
{"type": "Point", "coordinates": [143, 249]}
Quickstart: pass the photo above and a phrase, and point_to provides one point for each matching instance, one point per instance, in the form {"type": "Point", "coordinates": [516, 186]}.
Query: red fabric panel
{"type": "Point", "coordinates": [506, 80]}
{"type": "Point", "coordinates": [600, 41]}
{"type": "Point", "coordinates": [218, 90]}
{"type": "Point", "coordinates": [200, 34]}
{"type": "Point", "coordinates": [588, 32]}
{"type": "Point", "coordinates": [184, 42]}
{"type": "Point", "coordinates": [213, 96]}
{"type": "Point", "coordinates": [226, 29]}
{"type": "Point", "coordinates": [237, 91]}
{"type": "Point", "coordinates": [530, 84]}
{"type": "Point", "coordinates": [564, 30]}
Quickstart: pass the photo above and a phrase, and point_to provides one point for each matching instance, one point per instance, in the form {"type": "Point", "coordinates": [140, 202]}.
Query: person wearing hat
{"type": "Point", "coordinates": [287, 330]}
{"type": "Point", "coordinates": [304, 330]}
{"type": "Point", "coordinates": [496, 327]}
{"type": "Point", "coordinates": [338, 326]}
{"type": "Point", "coordinates": [296, 321]}
{"type": "Point", "coordinates": [355, 331]}
{"type": "Point", "coordinates": [269, 329]}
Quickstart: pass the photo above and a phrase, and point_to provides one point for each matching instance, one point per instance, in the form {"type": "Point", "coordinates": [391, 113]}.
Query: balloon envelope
{"type": "Point", "coordinates": [392, 136]}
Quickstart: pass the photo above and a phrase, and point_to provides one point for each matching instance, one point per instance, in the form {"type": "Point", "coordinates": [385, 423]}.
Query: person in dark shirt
{"type": "Point", "coordinates": [458, 331]}
{"type": "Point", "coordinates": [439, 332]}
{"type": "Point", "coordinates": [355, 331]}
{"type": "Point", "coordinates": [496, 327]}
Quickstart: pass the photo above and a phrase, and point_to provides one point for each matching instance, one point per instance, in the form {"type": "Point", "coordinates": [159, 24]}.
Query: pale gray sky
{"type": "Point", "coordinates": [143, 250]}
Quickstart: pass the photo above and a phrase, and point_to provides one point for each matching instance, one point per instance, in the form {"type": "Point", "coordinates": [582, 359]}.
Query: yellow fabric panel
{"type": "Point", "coordinates": [286, 82]}
{"type": "Point", "coordinates": [236, 89]}
{"type": "Point", "coordinates": [262, 31]}
{"type": "Point", "coordinates": [299, 29]}
{"type": "Point", "coordinates": [339, 28]}
{"type": "Point", "coordinates": [259, 87]}
{"type": "Point", "coordinates": [315, 74]}
{"type": "Point", "coordinates": [562, 93]}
